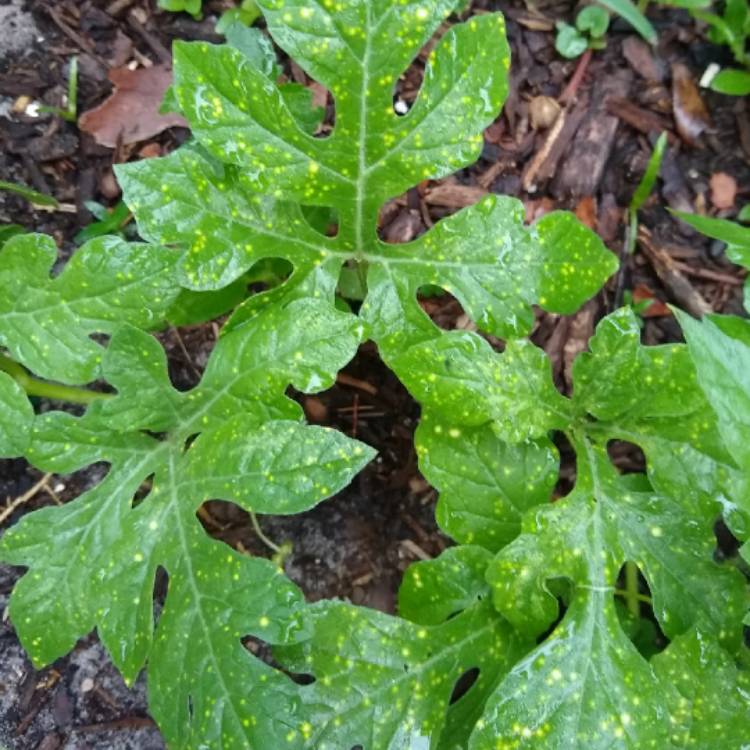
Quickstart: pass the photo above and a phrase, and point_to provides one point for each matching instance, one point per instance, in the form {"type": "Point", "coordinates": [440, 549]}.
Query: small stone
{"type": "Point", "coordinates": [543, 111]}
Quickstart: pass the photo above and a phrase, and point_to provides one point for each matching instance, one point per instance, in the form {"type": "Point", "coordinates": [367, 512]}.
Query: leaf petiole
{"type": "Point", "coordinates": [631, 593]}
{"type": "Point", "coordinates": [44, 389]}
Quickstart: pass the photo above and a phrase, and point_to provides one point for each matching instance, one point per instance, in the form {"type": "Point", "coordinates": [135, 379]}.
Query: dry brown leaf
{"type": "Point", "coordinates": [319, 94]}
{"type": "Point", "coordinates": [131, 113]}
{"type": "Point", "coordinates": [723, 190]}
{"type": "Point", "coordinates": [690, 113]}
{"type": "Point", "coordinates": [657, 309]}
{"type": "Point", "coordinates": [537, 207]}
{"type": "Point", "coordinates": [641, 57]}
{"type": "Point", "coordinates": [586, 212]}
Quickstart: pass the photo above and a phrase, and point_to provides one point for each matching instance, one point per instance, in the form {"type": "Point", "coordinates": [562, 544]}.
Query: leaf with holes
{"type": "Point", "coordinates": [586, 684]}
{"type": "Point", "coordinates": [93, 561]}
{"type": "Point", "coordinates": [400, 677]}
{"type": "Point", "coordinates": [240, 196]}
{"type": "Point", "coordinates": [46, 323]}
{"type": "Point", "coordinates": [489, 416]}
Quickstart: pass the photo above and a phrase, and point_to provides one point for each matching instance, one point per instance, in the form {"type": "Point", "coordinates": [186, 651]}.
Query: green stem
{"type": "Point", "coordinates": [362, 273]}
{"type": "Point", "coordinates": [44, 389]}
{"type": "Point", "coordinates": [641, 597]}
{"type": "Point", "coordinates": [263, 538]}
{"type": "Point", "coordinates": [632, 595]}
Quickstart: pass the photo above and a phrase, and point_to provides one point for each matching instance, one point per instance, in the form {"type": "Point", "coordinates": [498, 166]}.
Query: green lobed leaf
{"type": "Point", "coordinates": [16, 417]}
{"type": "Point", "coordinates": [399, 676]}
{"type": "Point", "coordinates": [563, 693]}
{"type": "Point", "coordinates": [485, 484]}
{"type": "Point", "coordinates": [249, 204]}
{"type": "Point", "coordinates": [651, 396]}
{"type": "Point", "coordinates": [46, 323]}
{"type": "Point", "coordinates": [710, 705]}
{"type": "Point", "coordinates": [434, 590]}
{"type": "Point", "coordinates": [461, 378]}
{"type": "Point", "coordinates": [720, 350]}
{"type": "Point", "coordinates": [93, 561]}
{"type": "Point", "coordinates": [586, 684]}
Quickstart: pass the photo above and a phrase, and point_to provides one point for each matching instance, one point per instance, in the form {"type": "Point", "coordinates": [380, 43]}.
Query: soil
{"type": "Point", "coordinates": [357, 544]}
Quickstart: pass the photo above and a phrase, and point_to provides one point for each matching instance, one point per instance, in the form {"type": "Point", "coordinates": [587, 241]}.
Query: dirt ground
{"type": "Point", "coordinates": [357, 544]}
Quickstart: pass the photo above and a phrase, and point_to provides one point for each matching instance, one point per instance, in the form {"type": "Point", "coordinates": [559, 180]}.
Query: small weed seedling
{"type": "Point", "coordinates": [552, 608]}
{"type": "Point", "coordinates": [591, 25]}
{"type": "Point", "coordinates": [731, 29]}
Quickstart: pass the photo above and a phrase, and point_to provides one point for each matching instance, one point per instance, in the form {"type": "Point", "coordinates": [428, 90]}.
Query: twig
{"type": "Point", "coordinates": [76, 37]}
{"type": "Point", "coordinates": [363, 385]}
{"type": "Point", "coordinates": [415, 549]}
{"type": "Point", "coordinates": [540, 157]}
{"type": "Point", "coordinates": [156, 46]}
{"type": "Point", "coordinates": [709, 275]}
{"type": "Point", "coordinates": [118, 6]}
{"type": "Point", "coordinates": [574, 83]}
{"type": "Point", "coordinates": [131, 722]}
{"type": "Point", "coordinates": [8, 511]}
{"type": "Point", "coordinates": [205, 516]}
{"type": "Point", "coordinates": [355, 415]}
{"type": "Point", "coordinates": [681, 289]}
{"type": "Point", "coordinates": [185, 353]}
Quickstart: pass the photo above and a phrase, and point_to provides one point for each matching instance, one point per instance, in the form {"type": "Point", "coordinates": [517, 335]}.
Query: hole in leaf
{"type": "Point", "coordinates": [727, 545]}
{"type": "Point", "coordinates": [444, 309]}
{"type": "Point", "coordinates": [161, 585]}
{"type": "Point", "coordinates": [264, 651]}
{"type": "Point", "coordinates": [100, 338]}
{"type": "Point", "coordinates": [632, 593]}
{"type": "Point", "coordinates": [562, 589]}
{"type": "Point", "coordinates": [301, 678]}
{"type": "Point", "coordinates": [463, 684]}
{"type": "Point", "coordinates": [323, 219]}
{"type": "Point", "coordinates": [190, 439]}
{"type": "Point", "coordinates": [627, 457]}
{"type": "Point", "coordinates": [142, 491]}
{"type": "Point", "coordinates": [407, 87]}
{"type": "Point", "coordinates": [566, 478]}
{"type": "Point", "coordinates": [187, 349]}
{"type": "Point", "coordinates": [225, 521]}
{"type": "Point", "coordinates": [268, 273]}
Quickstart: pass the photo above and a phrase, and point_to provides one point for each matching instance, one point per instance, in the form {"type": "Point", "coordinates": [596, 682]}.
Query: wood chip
{"type": "Point", "coordinates": [583, 168]}
{"type": "Point", "coordinates": [454, 195]}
